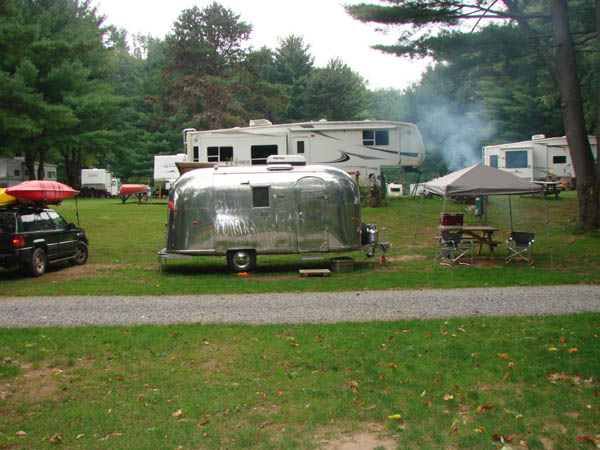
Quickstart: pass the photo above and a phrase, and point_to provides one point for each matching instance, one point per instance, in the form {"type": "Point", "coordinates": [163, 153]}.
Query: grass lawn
{"type": "Point", "coordinates": [510, 382]}
{"type": "Point", "coordinates": [124, 240]}
{"type": "Point", "coordinates": [527, 382]}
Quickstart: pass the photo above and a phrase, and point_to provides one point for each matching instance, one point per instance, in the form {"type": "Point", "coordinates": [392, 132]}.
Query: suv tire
{"type": "Point", "coordinates": [81, 254]}
{"type": "Point", "coordinates": [37, 265]}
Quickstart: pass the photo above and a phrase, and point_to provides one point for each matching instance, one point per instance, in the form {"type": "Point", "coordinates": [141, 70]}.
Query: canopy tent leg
{"type": "Point", "coordinates": [418, 217]}
{"type": "Point", "coordinates": [548, 228]}
{"type": "Point", "coordinates": [437, 243]}
{"type": "Point", "coordinates": [510, 213]}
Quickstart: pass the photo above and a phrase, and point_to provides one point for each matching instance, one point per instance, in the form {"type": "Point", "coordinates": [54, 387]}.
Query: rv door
{"type": "Point", "coordinates": [311, 194]}
{"type": "Point", "coordinates": [301, 146]}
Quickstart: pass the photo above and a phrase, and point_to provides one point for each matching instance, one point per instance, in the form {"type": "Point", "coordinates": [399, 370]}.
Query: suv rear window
{"type": "Point", "coordinates": [36, 222]}
{"type": "Point", "coordinates": [8, 223]}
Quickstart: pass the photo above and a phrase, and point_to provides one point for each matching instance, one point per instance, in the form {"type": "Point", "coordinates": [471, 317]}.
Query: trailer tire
{"type": "Point", "coordinates": [241, 260]}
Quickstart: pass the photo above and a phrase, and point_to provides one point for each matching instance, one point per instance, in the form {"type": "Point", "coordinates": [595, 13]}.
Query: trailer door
{"type": "Point", "coordinates": [312, 215]}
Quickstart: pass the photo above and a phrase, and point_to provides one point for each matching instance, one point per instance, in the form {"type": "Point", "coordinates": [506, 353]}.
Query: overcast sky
{"type": "Point", "coordinates": [323, 24]}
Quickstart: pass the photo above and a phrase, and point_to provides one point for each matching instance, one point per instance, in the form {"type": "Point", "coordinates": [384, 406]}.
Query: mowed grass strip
{"type": "Point", "coordinates": [527, 382]}
{"type": "Point", "coordinates": [125, 239]}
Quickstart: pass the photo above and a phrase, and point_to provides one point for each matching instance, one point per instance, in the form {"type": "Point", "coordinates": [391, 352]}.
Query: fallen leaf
{"type": "Point", "coordinates": [462, 330]}
{"type": "Point", "coordinates": [356, 400]}
{"type": "Point", "coordinates": [484, 408]}
{"type": "Point", "coordinates": [504, 355]}
{"type": "Point", "coordinates": [444, 332]}
{"type": "Point", "coordinates": [506, 375]}
{"type": "Point", "coordinates": [480, 430]}
{"type": "Point", "coordinates": [56, 371]}
{"type": "Point", "coordinates": [108, 307]}
{"type": "Point", "coordinates": [393, 366]}
{"type": "Point", "coordinates": [552, 349]}
{"type": "Point", "coordinates": [511, 364]}
{"type": "Point", "coordinates": [423, 393]}
{"type": "Point", "coordinates": [475, 355]}
{"type": "Point", "coordinates": [177, 414]}
{"type": "Point", "coordinates": [438, 378]}
{"type": "Point", "coordinates": [395, 416]}
{"type": "Point", "coordinates": [202, 423]}
{"type": "Point", "coordinates": [57, 438]}
{"type": "Point", "coordinates": [295, 344]}
{"type": "Point", "coordinates": [382, 377]}
{"type": "Point", "coordinates": [573, 350]}
{"type": "Point", "coordinates": [79, 436]}
{"type": "Point", "coordinates": [563, 340]}
{"type": "Point", "coordinates": [448, 397]}
{"type": "Point", "coordinates": [428, 335]}
{"type": "Point", "coordinates": [21, 433]}
{"type": "Point", "coordinates": [280, 392]}
{"type": "Point", "coordinates": [508, 438]}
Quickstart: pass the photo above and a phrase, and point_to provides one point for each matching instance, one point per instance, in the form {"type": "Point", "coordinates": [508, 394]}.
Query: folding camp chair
{"type": "Point", "coordinates": [453, 249]}
{"type": "Point", "coordinates": [520, 246]}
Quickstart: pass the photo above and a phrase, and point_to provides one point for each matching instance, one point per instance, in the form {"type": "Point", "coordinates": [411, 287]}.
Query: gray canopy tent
{"type": "Point", "coordinates": [481, 180]}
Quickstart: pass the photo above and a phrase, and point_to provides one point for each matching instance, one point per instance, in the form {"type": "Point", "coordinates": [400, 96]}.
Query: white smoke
{"type": "Point", "coordinates": [457, 130]}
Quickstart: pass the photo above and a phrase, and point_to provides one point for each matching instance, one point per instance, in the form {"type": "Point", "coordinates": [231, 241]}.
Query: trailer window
{"type": "Point", "coordinates": [516, 160]}
{"type": "Point", "coordinates": [196, 153]}
{"type": "Point", "coordinates": [559, 159]}
{"type": "Point", "coordinates": [494, 161]}
{"type": "Point", "coordinates": [379, 137]}
{"type": "Point", "coordinates": [300, 147]}
{"type": "Point", "coordinates": [260, 153]}
{"type": "Point", "coordinates": [260, 196]}
{"type": "Point", "coordinates": [219, 154]}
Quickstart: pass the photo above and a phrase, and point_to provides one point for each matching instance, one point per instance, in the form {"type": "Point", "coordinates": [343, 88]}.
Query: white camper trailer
{"type": "Point", "coordinates": [165, 169]}
{"type": "Point", "coordinates": [14, 171]}
{"type": "Point", "coordinates": [534, 160]}
{"type": "Point", "coordinates": [359, 147]}
{"type": "Point", "coordinates": [97, 182]}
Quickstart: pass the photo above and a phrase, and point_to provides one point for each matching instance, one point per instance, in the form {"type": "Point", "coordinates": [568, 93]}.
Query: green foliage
{"type": "Point", "coordinates": [336, 92]}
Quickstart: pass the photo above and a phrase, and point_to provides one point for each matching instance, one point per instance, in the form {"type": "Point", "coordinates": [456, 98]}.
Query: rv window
{"type": "Point", "coordinates": [212, 154]}
{"type": "Point", "coordinates": [260, 196]}
{"type": "Point", "coordinates": [300, 147]}
{"type": "Point", "coordinates": [219, 154]}
{"type": "Point", "coordinates": [559, 159]}
{"type": "Point", "coordinates": [379, 137]}
{"type": "Point", "coordinates": [516, 159]}
{"type": "Point", "coordinates": [196, 153]}
{"type": "Point", "coordinates": [382, 137]}
{"type": "Point", "coordinates": [17, 173]}
{"type": "Point", "coordinates": [260, 153]}
{"type": "Point", "coordinates": [494, 161]}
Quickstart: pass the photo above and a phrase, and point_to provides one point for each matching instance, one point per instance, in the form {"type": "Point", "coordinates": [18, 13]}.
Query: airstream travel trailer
{"type": "Point", "coordinates": [240, 212]}
{"type": "Point", "coordinates": [360, 147]}
{"type": "Point", "coordinates": [535, 159]}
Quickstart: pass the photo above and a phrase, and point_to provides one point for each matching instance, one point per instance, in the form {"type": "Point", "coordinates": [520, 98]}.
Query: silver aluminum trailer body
{"type": "Point", "coordinates": [359, 147]}
{"type": "Point", "coordinates": [276, 209]}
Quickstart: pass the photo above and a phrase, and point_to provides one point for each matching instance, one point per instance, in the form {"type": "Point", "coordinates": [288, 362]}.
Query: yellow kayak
{"type": "Point", "coordinates": [6, 199]}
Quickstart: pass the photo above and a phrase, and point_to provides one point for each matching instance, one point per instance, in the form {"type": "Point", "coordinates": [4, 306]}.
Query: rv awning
{"type": "Point", "coordinates": [480, 180]}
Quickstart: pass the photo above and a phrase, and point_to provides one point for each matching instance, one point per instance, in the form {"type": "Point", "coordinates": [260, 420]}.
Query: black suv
{"type": "Point", "coordinates": [33, 237]}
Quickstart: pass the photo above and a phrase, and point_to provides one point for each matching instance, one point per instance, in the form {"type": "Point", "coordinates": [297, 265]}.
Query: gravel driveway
{"type": "Point", "coordinates": [297, 308]}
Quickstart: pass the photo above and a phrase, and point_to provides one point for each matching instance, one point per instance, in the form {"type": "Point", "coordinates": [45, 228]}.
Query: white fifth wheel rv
{"type": "Point", "coordinates": [534, 160]}
{"type": "Point", "coordinates": [361, 147]}
{"type": "Point", "coordinates": [165, 170]}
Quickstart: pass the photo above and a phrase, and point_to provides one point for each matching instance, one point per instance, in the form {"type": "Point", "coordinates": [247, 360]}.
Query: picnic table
{"type": "Point", "coordinates": [550, 187]}
{"type": "Point", "coordinates": [484, 235]}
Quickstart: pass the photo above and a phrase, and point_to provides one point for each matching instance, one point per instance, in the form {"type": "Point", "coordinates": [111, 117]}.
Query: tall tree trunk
{"type": "Point", "coordinates": [41, 173]}
{"type": "Point", "coordinates": [572, 108]}
{"type": "Point", "coordinates": [30, 163]}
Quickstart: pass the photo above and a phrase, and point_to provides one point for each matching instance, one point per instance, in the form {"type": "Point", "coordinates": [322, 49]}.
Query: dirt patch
{"type": "Point", "coordinates": [406, 258]}
{"type": "Point", "coordinates": [84, 271]}
{"type": "Point", "coordinates": [359, 441]}
{"type": "Point", "coordinates": [367, 439]}
{"type": "Point", "coordinates": [34, 385]}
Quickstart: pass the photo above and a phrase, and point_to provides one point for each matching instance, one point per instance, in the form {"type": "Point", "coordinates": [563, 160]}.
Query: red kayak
{"type": "Point", "coordinates": [41, 191]}
{"type": "Point", "coordinates": [128, 189]}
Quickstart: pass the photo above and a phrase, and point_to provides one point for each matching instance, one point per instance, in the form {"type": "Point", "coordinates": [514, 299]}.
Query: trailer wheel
{"type": "Point", "coordinates": [241, 260]}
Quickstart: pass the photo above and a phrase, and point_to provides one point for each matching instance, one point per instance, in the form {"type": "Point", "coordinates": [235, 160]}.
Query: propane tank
{"type": "Point", "coordinates": [372, 234]}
